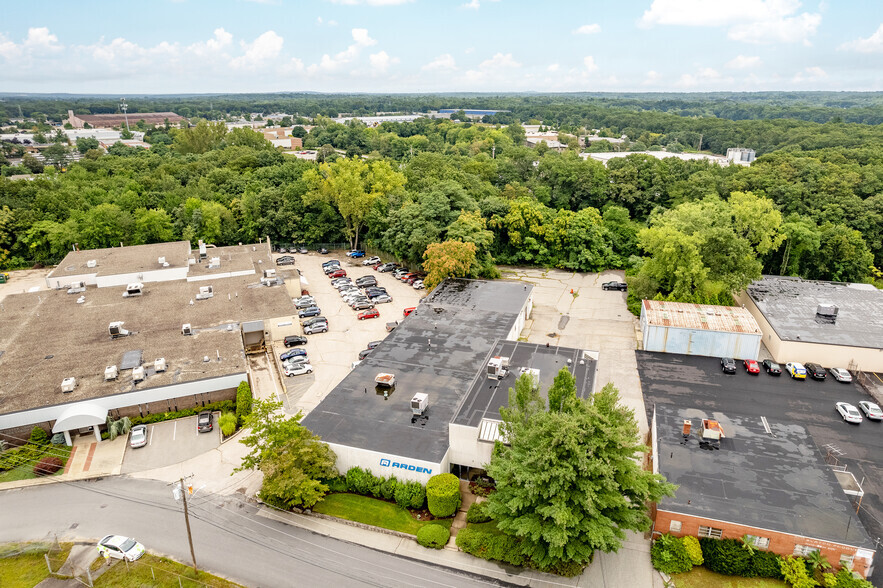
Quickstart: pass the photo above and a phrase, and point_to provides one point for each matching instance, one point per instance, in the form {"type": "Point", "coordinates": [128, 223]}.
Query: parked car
{"type": "Point", "coordinates": [316, 328]}
{"type": "Point", "coordinates": [340, 273]}
{"type": "Point", "coordinates": [387, 267]}
{"type": "Point", "coordinates": [282, 250]}
{"type": "Point", "coordinates": [815, 371]}
{"type": "Point", "coordinates": [305, 302]}
{"type": "Point", "coordinates": [619, 286]}
{"type": "Point", "coordinates": [323, 251]}
{"type": "Point", "coordinates": [411, 279]}
{"type": "Point", "coordinates": [871, 410]}
{"type": "Point", "coordinates": [418, 285]}
{"type": "Point", "coordinates": [772, 368]}
{"type": "Point", "coordinates": [298, 370]}
{"type": "Point", "coordinates": [331, 269]}
{"type": "Point", "coordinates": [849, 413]}
{"type": "Point", "coordinates": [119, 547]}
{"type": "Point", "coordinates": [408, 311]}
{"type": "Point", "coordinates": [391, 326]}
{"type": "Point", "coordinates": [841, 375]}
{"type": "Point", "coordinates": [355, 253]}
{"type": "Point", "coordinates": [297, 359]}
{"type": "Point", "coordinates": [303, 250]}
{"type": "Point", "coordinates": [362, 305]}
{"type": "Point", "coordinates": [371, 260]}
{"type": "Point", "coordinates": [292, 353]}
{"type": "Point", "coordinates": [138, 436]}
{"type": "Point", "coordinates": [285, 260]}
{"type": "Point", "coordinates": [292, 340]}
{"type": "Point", "coordinates": [382, 299]}
{"type": "Point", "coordinates": [795, 370]}
{"type": "Point", "coordinates": [366, 281]}
{"type": "Point", "coordinates": [364, 353]}
{"type": "Point", "coordinates": [314, 320]}
{"type": "Point", "coordinates": [310, 311]}
{"type": "Point", "coordinates": [367, 314]}
{"type": "Point", "coordinates": [751, 366]}
{"type": "Point", "coordinates": [376, 265]}
{"type": "Point", "coordinates": [373, 344]}
{"type": "Point", "coordinates": [205, 421]}
{"type": "Point", "coordinates": [728, 365]}
{"type": "Point", "coordinates": [330, 262]}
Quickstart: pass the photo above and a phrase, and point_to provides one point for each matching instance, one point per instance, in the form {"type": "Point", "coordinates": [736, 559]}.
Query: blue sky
{"type": "Point", "coordinates": [166, 46]}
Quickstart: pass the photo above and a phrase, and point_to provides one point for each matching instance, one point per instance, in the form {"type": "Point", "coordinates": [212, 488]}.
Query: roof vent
{"type": "Point", "coordinates": [161, 261]}
{"type": "Point", "coordinates": [92, 263]}
{"type": "Point", "coordinates": [116, 330]}
{"type": "Point", "coordinates": [214, 263]}
{"type": "Point", "coordinates": [159, 365]}
{"type": "Point", "coordinates": [186, 329]}
{"type": "Point", "coordinates": [205, 292]}
{"type": "Point", "coordinates": [134, 289]}
{"type": "Point", "coordinates": [68, 385]}
{"type": "Point", "coordinates": [827, 312]}
{"type": "Point", "coordinates": [111, 372]}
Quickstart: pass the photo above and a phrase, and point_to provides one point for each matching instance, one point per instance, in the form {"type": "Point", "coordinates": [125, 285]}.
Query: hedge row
{"type": "Point", "coordinates": [411, 495]}
{"type": "Point", "coordinates": [491, 546]}
{"type": "Point", "coordinates": [223, 406]}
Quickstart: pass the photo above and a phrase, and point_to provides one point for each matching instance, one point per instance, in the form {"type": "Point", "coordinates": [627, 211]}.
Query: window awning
{"type": "Point", "coordinates": [78, 416]}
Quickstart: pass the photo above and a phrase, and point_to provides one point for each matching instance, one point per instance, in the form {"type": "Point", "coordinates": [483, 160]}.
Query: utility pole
{"type": "Point", "coordinates": [179, 490]}
{"type": "Point", "coordinates": [125, 107]}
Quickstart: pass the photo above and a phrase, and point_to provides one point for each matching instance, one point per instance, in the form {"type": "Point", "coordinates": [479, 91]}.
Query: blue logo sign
{"type": "Point", "coordinates": [385, 463]}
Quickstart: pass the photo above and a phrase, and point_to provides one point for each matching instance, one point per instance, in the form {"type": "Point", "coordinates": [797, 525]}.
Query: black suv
{"type": "Point", "coordinates": [621, 286]}
{"type": "Point", "coordinates": [204, 421]}
{"type": "Point", "coordinates": [728, 365]}
{"type": "Point", "coordinates": [815, 371]}
{"type": "Point", "coordinates": [292, 340]}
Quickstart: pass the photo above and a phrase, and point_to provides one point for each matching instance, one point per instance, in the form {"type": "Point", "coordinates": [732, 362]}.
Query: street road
{"type": "Point", "coordinates": [228, 538]}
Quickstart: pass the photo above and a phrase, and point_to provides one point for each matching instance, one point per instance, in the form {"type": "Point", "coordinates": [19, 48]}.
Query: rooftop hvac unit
{"type": "Point", "coordinates": [186, 329]}
{"type": "Point", "coordinates": [202, 252]}
{"type": "Point", "coordinates": [385, 380]}
{"type": "Point", "coordinates": [214, 263]}
{"type": "Point", "coordinates": [498, 367]}
{"type": "Point", "coordinates": [205, 292]}
{"type": "Point", "coordinates": [134, 289]}
{"type": "Point", "coordinates": [270, 273]}
{"type": "Point", "coordinates": [419, 403]}
{"type": "Point", "coordinates": [76, 288]}
{"type": "Point", "coordinates": [68, 385]}
{"type": "Point", "coordinates": [138, 374]}
{"type": "Point", "coordinates": [534, 376]}
{"type": "Point", "coordinates": [111, 372]}
{"type": "Point", "coordinates": [92, 263]}
{"type": "Point", "coordinates": [116, 329]}
{"type": "Point", "coordinates": [161, 261]}
{"type": "Point", "coordinates": [159, 365]}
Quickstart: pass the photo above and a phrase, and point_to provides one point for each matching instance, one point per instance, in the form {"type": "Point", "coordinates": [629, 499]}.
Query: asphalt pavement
{"type": "Point", "coordinates": [171, 442]}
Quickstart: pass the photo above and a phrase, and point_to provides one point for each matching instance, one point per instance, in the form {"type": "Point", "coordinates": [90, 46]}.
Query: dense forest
{"type": "Point", "coordinates": [688, 230]}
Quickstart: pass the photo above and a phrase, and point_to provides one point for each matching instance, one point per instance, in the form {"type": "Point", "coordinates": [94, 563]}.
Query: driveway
{"type": "Point", "coordinates": [21, 281]}
{"type": "Point", "coordinates": [171, 442]}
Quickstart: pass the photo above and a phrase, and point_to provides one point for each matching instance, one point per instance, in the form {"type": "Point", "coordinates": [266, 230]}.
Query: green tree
{"type": "Point", "coordinates": [294, 461]}
{"type": "Point", "coordinates": [449, 259]}
{"type": "Point", "coordinates": [105, 225]}
{"type": "Point", "coordinates": [33, 165]}
{"type": "Point", "coordinates": [247, 138]}
{"type": "Point", "coordinates": [203, 137]}
{"type": "Point", "coordinates": [56, 154]}
{"type": "Point", "coordinates": [568, 483]}
{"type": "Point", "coordinates": [86, 143]}
{"type": "Point", "coordinates": [153, 226]}
{"type": "Point", "coordinates": [562, 393]}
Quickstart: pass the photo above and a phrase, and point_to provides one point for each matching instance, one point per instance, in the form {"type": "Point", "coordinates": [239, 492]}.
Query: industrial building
{"type": "Point", "coordinates": [739, 475]}
{"type": "Point", "coordinates": [158, 119]}
{"type": "Point", "coordinates": [699, 329]}
{"type": "Point", "coordinates": [453, 359]}
{"type": "Point", "coordinates": [833, 324]}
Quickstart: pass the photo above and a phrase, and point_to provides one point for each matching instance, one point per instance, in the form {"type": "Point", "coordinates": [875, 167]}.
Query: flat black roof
{"type": "Point", "coordinates": [486, 396]}
{"type": "Point", "coordinates": [772, 481]}
{"type": "Point", "coordinates": [790, 304]}
{"type": "Point", "coordinates": [436, 350]}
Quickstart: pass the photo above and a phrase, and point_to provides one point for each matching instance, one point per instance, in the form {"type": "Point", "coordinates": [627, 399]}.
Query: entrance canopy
{"type": "Point", "coordinates": [79, 416]}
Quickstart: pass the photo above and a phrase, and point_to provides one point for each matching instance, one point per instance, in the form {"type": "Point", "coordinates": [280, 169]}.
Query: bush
{"type": "Point", "coordinates": [388, 488]}
{"type": "Point", "coordinates": [38, 437]}
{"type": "Point", "coordinates": [766, 564]}
{"type": "Point", "coordinates": [13, 458]}
{"type": "Point", "coordinates": [433, 536]}
{"type": "Point", "coordinates": [227, 422]}
{"type": "Point", "coordinates": [243, 402]}
{"type": "Point", "coordinates": [223, 406]}
{"type": "Point", "coordinates": [374, 484]}
{"type": "Point", "coordinates": [337, 484]}
{"type": "Point", "coordinates": [443, 495]}
{"type": "Point", "coordinates": [48, 465]}
{"type": "Point", "coordinates": [478, 513]}
{"type": "Point", "coordinates": [356, 480]}
{"type": "Point", "coordinates": [491, 546]}
{"type": "Point", "coordinates": [845, 579]}
{"type": "Point", "coordinates": [410, 495]}
{"type": "Point", "coordinates": [726, 556]}
{"type": "Point", "coordinates": [669, 555]}
{"type": "Point", "coordinates": [794, 571]}
{"type": "Point", "coordinates": [694, 551]}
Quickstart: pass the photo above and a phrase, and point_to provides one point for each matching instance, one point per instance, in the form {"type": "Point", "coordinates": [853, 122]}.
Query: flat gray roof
{"type": "Point", "coordinates": [777, 482]}
{"type": "Point", "coordinates": [122, 260]}
{"type": "Point", "coordinates": [790, 304]}
{"type": "Point", "coordinates": [437, 350]}
{"type": "Point", "coordinates": [486, 396]}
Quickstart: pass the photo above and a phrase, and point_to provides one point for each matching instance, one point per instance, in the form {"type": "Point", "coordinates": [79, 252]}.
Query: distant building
{"type": "Point", "coordinates": [470, 112]}
{"type": "Point", "coordinates": [281, 137]}
{"type": "Point", "coordinates": [126, 142]}
{"type": "Point", "coordinates": [740, 155]}
{"type": "Point", "coordinates": [607, 156]}
{"type": "Point", "coordinates": [551, 142]}
{"type": "Point", "coordinates": [78, 121]}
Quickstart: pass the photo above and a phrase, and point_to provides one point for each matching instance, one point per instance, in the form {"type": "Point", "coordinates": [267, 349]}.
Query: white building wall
{"type": "Point", "coordinates": [385, 464]}
{"type": "Point", "coordinates": [159, 275]}
{"type": "Point", "coordinates": [466, 449]}
{"type": "Point", "coordinates": [523, 315]}
{"type": "Point", "coordinates": [56, 282]}
{"type": "Point", "coordinates": [206, 277]}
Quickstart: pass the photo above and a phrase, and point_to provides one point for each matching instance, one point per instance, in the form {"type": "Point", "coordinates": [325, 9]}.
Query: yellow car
{"type": "Point", "coordinates": [796, 370]}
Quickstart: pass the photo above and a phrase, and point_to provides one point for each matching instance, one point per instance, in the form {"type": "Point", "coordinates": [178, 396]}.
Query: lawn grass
{"type": "Point", "coordinates": [29, 569]}
{"type": "Point", "coordinates": [26, 471]}
{"type": "Point", "coordinates": [700, 577]}
{"type": "Point", "coordinates": [157, 572]}
{"type": "Point", "coordinates": [371, 511]}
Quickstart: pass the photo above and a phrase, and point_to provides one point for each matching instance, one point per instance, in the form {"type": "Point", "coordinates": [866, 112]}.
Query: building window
{"type": "Point", "coordinates": [846, 560]}
{"type": "Point", "coordinates": [804, 550]}
{"type": "Point", "coordinates": [759, 542]}
{"type": "Point", "coordinates": [674, 526]}
{"type": "Point", "coordinates": [710, 532]}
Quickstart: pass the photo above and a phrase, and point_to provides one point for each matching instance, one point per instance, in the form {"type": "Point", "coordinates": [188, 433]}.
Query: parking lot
{"type": "Point", "coordinates": [692, 381]}
{"type": "Point", "coordinates": [332, 354]}
{"type": "Point", "coordinates": [171, 442]}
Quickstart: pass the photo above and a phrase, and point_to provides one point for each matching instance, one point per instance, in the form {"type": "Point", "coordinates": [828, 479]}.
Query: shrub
{"type": "Point", "coordinates": [356, 480]}
{"type": "Point", "coordinates": [223, 406]}
{"type": "Point", "coordinates": [726, 556]}
{"type": "Point", "coordinates": [491, 546]}
{"type": "Point", "coordinates": [388, 488]}
{"type": "Point", "coordinates": [433, 536]}
{"type": "Point", "coordinates": [48, 465]}
{"type": "Point", "coordinates": [374, 484]}
{"type": "Point", "coordinates": [38, 436]}
{"type": "Point", "coordinates": [694, 551]}
{"type": "Point", "coordinates": [227, 422]}
{"type": "Point", "coordinates": [795, 574]}
{"type": "Point", "coordinates": [443, 495]}
{"type": "Point", "coordinates": [26, 454]}
{"type": "Point", "coordinates": [243, 401]}
{"type": "Point", "coordinates": [336, 484]}
{"type": "Point", "coordinates": [765, 564]}
{"type": "Point", "coordinates": [410, 495]}
{"type": "Point", "coordinates": [845, 579]}
{"type": "Point", "coordinates": [669, 555]}
{"type": "Point", "coordinates": [478, 513]}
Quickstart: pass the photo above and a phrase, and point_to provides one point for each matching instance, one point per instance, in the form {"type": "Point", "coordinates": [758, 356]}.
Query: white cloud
{"type": "Point", "coordinates": [873, 44]}
{"type": "Point", "coordinates": [328, 64]}
{"type": "Point", "coordinates": [443, 62]}
{"type": "Point", "coordinates": [39, 42]}
{"type": "Point", "coordinates": [810, 74]}
{"type": "Point", "coordinates": [590, 64]}
{"type": "Point", "coordinates": [553, 67]}
{"type": "Point", "coordinates": [264, 49]}
{"type": "Point", "coordinates": [41, 39]}
{"type": "Point", "coordinates": [588, 29]}
{"type": "Point", "coordinates": [473, 4]}
{"type": "Point", "coordinates": [652, 78]}
{"type": "Point", "coordinates": [743, 62]}
{"type": "Point", "coordinates": [499, 61]}
{"type": "Point", "coordinates": [704, 77]}
{"type": "Point", "coordinates": [371, 2]}
{"type": "Point", "coordinates": [380, 62]}
{"type": "Point", "coordinates": [750, 21]}
{"type": "Point", "coordinates": [492, 69]}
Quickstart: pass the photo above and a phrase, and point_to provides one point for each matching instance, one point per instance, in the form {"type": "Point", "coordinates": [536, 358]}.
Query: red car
{"type": "Point", "coordinates": [376, 265]}
{"type": "Point", "coordinates": [408, 311]}
{"type": "Point", "coordinates": [337, 274]}
{"type": "Point", "coordinates": [751, 366]}
{"type": "Point", "coordinates": [373, 313]}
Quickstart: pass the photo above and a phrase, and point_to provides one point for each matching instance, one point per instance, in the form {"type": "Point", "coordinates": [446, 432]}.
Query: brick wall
{"type": "Point", "coordinates": [781, 543]}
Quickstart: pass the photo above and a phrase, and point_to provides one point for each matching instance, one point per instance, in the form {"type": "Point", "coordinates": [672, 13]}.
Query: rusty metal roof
{"type": "Point", "coordinates": [683, 315]}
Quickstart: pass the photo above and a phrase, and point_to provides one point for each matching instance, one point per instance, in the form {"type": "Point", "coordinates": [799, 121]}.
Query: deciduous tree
{"type": "Point", "coordinates": [449, 259]}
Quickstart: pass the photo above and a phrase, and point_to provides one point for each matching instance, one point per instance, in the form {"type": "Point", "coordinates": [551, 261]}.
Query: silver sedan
{"type": "Point", "coordinates": [849, 413]}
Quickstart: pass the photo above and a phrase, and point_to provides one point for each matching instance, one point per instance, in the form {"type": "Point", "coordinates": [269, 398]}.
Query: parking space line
{"type": "Point", "coordinates": [175, 430]}
{"type": "Point", "coordinates": [150, 440]}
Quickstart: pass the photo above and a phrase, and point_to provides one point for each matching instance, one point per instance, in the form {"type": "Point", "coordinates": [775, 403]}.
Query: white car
{"type": "Point", "coordinates": [372, 261]}
{"type": "Point", "coordinates": [418, 285]}
{"type": "Point", "coordinates": [383, 298]}
{"type": "Point", "coordinates": [138, 436]}
{"type": "Point", "coordinates": [119, 547]}
{"type": "Point", "coordinates": [871, 410]}
{"type": "Point", "coordinates": [849, 413]}
{"type": "Point", "coordinates": [315, 328]}
{"type": "Point", "coordinates": [298, 369]}
{"type": "Point", "coordinates": [840, 374]}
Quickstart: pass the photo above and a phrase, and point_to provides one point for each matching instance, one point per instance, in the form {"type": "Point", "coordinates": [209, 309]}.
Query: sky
{"type": "Point", "coordinates": [234, 46]}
